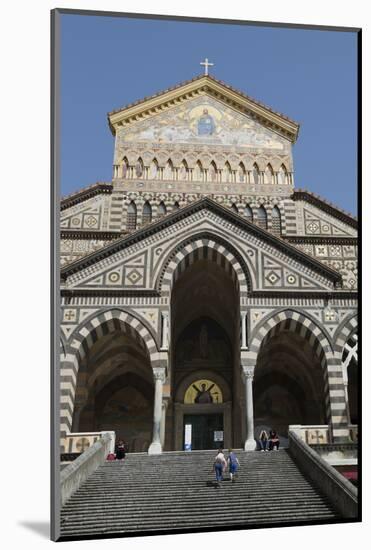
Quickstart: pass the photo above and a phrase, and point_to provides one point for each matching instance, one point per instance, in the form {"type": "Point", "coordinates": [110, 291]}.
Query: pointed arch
{"type": "Point", "coordinates": [147, 213]}
{"type": "Point", "coordinates": [139, 168]}
{"type": "Point", "coordinates": [161, 209]}
{"type": "Point", "coordinates": [169, 170]}
{"type": "Point", "coordinates": [183, 170]}
{"type": "Point", "coordinates": [241, 173]}
{"type": "Point", "coordinates": [213, 171]}
{"type": "Point", "coordinates": [248, 213]}
{"type": "Point", "coordinates": [255, 174]}
{"type": "Point", "coordinates": [261, 217]}
{"type": "Point", "coordinates": [176, 205]}
{"type": "Point", "coordinates": [153, 169]}
{"type": "Point", "coordinates": [269, 175]}
{"type": "Point", "coordinates": [282, 175]}
{"type": "Point", "coordinates": [84, 337]}
{"type": "Point", "coordinates": [198, 171]}
{"type": "Point", "coordinates": [227, 172]}
{"type": "Point", "coordinates": [234, 207]}
{"type": "Point", "coordinates": [199, 247]}
{"type": "Point", "coordinates": [288, 320]}
{"type": "Point", "coordinates": [131, 219]}
{"type": "Point", "coordinates": [276, 222]}
{"type": "Point", "coordinates": [125, 168]}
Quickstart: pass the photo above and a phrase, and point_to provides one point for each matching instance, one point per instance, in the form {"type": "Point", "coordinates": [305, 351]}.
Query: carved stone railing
{"type": "Point", "coordinates": [80, 469]}
{"type": "Point", "coordinates": [340, 492]}
{"type": "Point", "coordinates": [312, 434]}
{"type": "Point", "coordinates": [78, 442]}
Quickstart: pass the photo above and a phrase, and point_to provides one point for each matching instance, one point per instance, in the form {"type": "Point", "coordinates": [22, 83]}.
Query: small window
{"type": "Point", "coordinates": [153, 170]}
{"type": "Point", "coordinates": [241, 173]}
{"type": "Point", "coordinates": [147, 213]}
{"type": "Point", "coordinates": [282, 175]}
{"type": "Point", "coordinates": [248, 213]}
{"type": "Point", "coordinates": [227, 173]}
{"type": "Point", "coordinates": [255, 174]}
{"type": "Point", "coordinates": [125, 168]}
{"type": "Point", "coordinates": [139, 168]}
{"type": "Point", "coordinates": [131, 223]}
{"type": "Point", "coordinates": [161, 210]}
{"type": "Point", "coordinates": [212, 172]}
{"type": "Point", "coordinates": [268, 175]}
{"type": "Point", "coordinates": [168, 172]}
{"type": "Point", "coordinates": [183, 171]}
{"type": "Point", "coordinates": [261, 218]}
{"type": "Point", "coordinates": [198, 172]}
{"type": "Point", "coordinates": [276, 222]}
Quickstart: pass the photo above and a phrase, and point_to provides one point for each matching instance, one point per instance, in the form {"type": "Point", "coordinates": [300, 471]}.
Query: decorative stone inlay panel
{"type": "Point", "coordinates": [138, 265]}
{"type": "Point", "coordinates": [342, 258]}
{"type": "Point", "coordinates": [317, 222]}
{"type": "Point", "coordinates": [74, 249]}
{"type": "Point", "coordinates": [85, 215]}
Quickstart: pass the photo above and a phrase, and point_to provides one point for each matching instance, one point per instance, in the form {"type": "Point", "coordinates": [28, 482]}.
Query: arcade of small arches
{"type": "Point", "coordinates": [152, 210]}
{"type": "Point", "coordinates": [124, 384]}
{"type": "Point", "coordinates": [256, 173]}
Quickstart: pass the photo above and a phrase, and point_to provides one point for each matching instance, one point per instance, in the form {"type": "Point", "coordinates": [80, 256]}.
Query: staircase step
{"type": "Point", "coordinates": [178, 491]}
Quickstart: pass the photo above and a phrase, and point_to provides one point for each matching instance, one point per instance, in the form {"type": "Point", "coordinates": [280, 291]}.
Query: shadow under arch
{"type": "Point", "coordinates": [291, 320]}
{"type": "Point", "coordinates": [107, 321]}
{"type": "Point", "coordinates": [84, 337]}
{"type": "Point", "coordinates": [204, 245]}
{"type": "Point", "coordinates": [291, 386]}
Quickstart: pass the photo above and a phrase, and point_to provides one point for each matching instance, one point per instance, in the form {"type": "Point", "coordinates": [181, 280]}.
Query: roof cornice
{"type": "Point", "coordinates": [234, 98]}
{"type": "Point", "coordinates": [85, 193]}
{"type": "Point", "coordinates": [323, 204]}
{"type": "Point", "coordinates": [182, 213]}
{"type": "Point", "coordinates": [90, 234]}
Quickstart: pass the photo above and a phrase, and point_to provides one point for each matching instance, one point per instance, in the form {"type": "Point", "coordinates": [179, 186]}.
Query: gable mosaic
{"type": "Point", "coordinates": [201, 121]}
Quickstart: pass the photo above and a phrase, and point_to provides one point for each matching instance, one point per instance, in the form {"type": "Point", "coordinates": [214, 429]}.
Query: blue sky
{"type": "Point", "coordinates": [310, 76]}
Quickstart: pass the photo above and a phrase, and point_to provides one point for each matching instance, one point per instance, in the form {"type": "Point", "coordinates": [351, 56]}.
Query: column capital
{"type": "Point", "coordinates": [159, 373]}
{"type": "Point", "coordinates": [247, 373]}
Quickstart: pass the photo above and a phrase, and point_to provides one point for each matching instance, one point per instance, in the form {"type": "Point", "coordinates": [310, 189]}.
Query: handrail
{"type": "Point", "coordinates": [72, 477]}
{"type": "Point", "coordinates": [341, 493]}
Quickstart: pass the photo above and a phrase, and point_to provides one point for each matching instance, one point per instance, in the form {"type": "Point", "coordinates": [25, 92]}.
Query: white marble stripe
{"type": "Point", "coordinates": [337, 406]}
{"type": "Point", "coordinates": [337, 393]}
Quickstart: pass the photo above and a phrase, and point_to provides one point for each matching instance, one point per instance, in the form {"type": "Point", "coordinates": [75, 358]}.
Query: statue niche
{"type": "Point", "coordinates": [203, 342]}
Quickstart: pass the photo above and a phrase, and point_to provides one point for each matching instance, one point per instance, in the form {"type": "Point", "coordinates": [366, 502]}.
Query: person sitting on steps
{"type": "Point", "coordinates": [263, 440]}
{"type": "Point", "coordinates": [273, 442]}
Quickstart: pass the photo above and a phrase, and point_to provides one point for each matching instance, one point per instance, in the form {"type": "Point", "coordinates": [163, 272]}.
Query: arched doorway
{"type": "Point", "coordinates": [115, 390]}
{"type": "Point", "coordinates": [288, 382]}
{"type": "Point", "coordinates": [205, 351]}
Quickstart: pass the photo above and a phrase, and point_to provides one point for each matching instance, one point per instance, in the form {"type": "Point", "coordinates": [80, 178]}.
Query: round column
{"type": "Point", "coordinates": [159, 374]}
{"type": "Point", "coordinates": [248, 376]}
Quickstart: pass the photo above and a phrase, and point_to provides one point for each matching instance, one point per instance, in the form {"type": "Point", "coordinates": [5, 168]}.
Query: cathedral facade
{"type": "Point", "coordinates": [203, 296]}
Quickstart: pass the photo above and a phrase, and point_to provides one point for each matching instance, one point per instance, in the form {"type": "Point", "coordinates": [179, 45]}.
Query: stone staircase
{"type": "Point", "coordinates": [177, 491]}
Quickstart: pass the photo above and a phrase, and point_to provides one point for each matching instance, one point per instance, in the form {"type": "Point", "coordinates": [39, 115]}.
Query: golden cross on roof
{"type": "Point", "coordinates": [207, 65]}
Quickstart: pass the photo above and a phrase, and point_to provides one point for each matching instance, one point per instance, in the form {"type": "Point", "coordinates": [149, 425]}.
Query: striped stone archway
{"type": "Point", "coordinates": [83, 338]}
{"type": "Point", "coordinates": [204, 247]}
{"type": "Point", "coordinates": [331, 367]}
{"type": "Point", "coordinates": [295, 322]}
{"type": "Point", "coordinates": [346, 351]}
{"type": "Point", "coordinates": [345, 331]}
